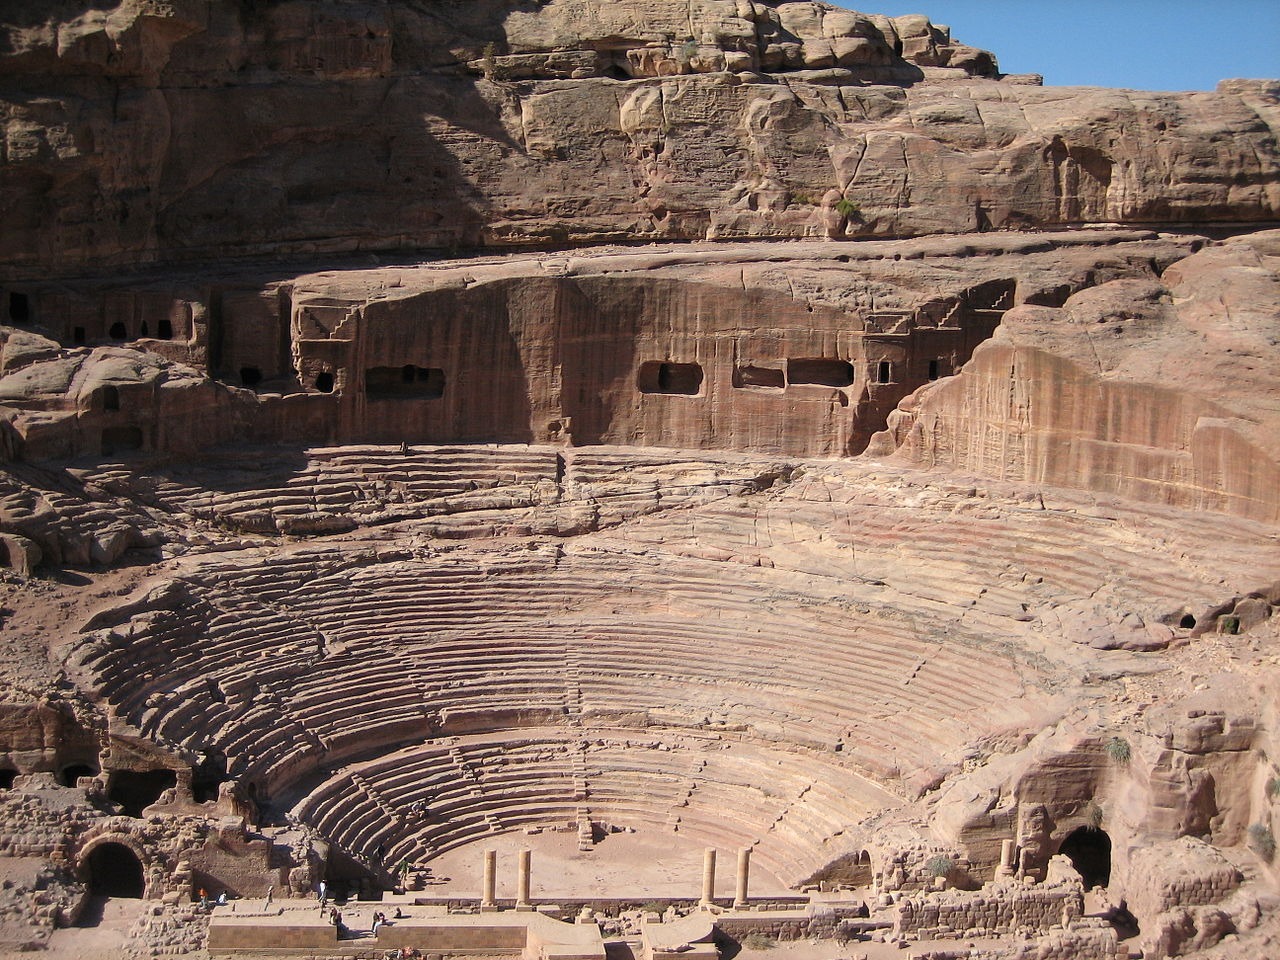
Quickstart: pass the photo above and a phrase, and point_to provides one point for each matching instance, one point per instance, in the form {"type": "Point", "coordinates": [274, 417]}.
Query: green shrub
{"type": "Point", "coordinates": [758, 941]}
{"type": "Point", "coordinates": [848, 209]}
{"type": "Point", "coordinates": [1262, 841]}
{"type": "Point", "coordinates": [939, 866]}
{"type": "Point", "coordinates": [1118, 750]}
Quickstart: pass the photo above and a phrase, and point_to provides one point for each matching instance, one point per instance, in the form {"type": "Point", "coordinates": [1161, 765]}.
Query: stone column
{"type": "Point", "coordinates": [489, 898]}
{"type": "Point", "coordinates": [522, 881]}
{"type": "Point", "coordinates": [744, 875]}
{"type": "Point", "coordinates": [1006, 859]}
{"type": "Point", "coordinates": [709, 875]}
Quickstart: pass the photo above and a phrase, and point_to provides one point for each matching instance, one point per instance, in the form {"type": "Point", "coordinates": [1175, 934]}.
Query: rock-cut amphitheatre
{"type": "Point", "coordinates": [629, 478]}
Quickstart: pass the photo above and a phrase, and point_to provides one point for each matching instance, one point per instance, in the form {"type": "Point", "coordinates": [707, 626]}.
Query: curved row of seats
{"type": "Point", "coordinates": [420, 802]}
{"type": "Point", "coordinates": [835, 619]}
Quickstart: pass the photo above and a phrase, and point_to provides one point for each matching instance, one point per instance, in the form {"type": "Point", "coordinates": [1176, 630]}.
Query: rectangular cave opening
{"type": "Point", "coordinates": [884, 372]}
{"type": "Point", "coordinates": [408, 382]}
{"type": "Point", "coordinates": [19, 307]}
{"type": "Point", "coordinates": [821, 371]}
{"type": "Point", "coordinates": [661, 376]}
{"type": "Point", "coordinates": [751, 375]}
{"type": "Point", "coordinates": [935, 368]}
{"type": "Point", "coordinates": [120, 440]}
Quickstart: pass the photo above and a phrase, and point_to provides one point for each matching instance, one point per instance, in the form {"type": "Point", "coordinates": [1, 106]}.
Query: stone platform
{"type": "Point", "coordinates": [293, 927]}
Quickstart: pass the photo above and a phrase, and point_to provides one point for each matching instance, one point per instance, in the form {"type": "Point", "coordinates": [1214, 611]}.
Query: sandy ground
{"type": "Point", "coordinates": [644, 866]}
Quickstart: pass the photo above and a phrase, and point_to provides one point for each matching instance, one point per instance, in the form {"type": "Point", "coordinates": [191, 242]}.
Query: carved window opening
{"type": "Point", "coordinates": [884, 372]}
{"type": "Point", "coordinates": [110, 398]}
{"type": "Point", "coordinates": [19, 307]}
{"type": "Point", "coordinates": [136, 791]}
{"type": "Point", "coordinates": [935, 369]}
{"type": "Point", "coordinates": [684, 379]}
{"type": "Point", "coordinates": [749, 375]}
{"type": "Point", "coordinates": [250, 376]}
{"type": "Point", "coordinates": [404, 383]}
{"type": "Point", "coordinates": [118, 331]}
{"type": "Point", "coordinates": [7, 778]}
{"type": "Point", "coordinates": [324, 381]}
{"type": "Point", "coordinates": [120, 440]}
{"type": "Point", "coordinates": [821, 371]}
{"type": "Point", "coordinates": [115, 871]}
{"type": "Point", "coordinates": [208, 776]}
{"type": "Point", "coordinates": [1089, 850]}
{"type": "Point", "coordinates": [73, 772]}
{"type": "Point", "coordinates": [164, 330]}
{"type": "Point", "coordinates": [78, 336]}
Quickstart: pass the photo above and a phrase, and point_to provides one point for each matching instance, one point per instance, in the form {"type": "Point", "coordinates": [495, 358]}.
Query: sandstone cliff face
{"type": "Point", "coordinates": [1129, 387]}
{"type": "Point", "coordinates": [720, 347]}
{"type": "Point", "coordinates": [153, 132]}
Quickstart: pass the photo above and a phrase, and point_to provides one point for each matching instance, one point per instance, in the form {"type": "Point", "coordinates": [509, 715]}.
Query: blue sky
{"type": "Point", "coordinates": [1140, 44]}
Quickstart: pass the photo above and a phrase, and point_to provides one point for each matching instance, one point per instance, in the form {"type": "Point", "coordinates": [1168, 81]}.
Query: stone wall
{"type": "Point", "coordinates": [998, 909]}
{"type": "Point", "coordinates": [1086, 939]}
{"type": "Point", "coordinates": [1180, 873]}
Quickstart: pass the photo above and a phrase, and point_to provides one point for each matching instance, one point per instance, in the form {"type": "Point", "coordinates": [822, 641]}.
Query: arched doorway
{"type": "Point", "coordinates": [113, 870]}
{"type": "Point", "coordinates": [1089, 850]}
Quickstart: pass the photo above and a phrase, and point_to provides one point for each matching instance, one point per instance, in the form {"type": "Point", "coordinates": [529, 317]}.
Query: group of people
{"type": "Point", "coordinates": [206, 903]}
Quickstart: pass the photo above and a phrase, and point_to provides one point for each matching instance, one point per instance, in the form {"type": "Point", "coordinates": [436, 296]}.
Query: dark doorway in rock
{"type": "Point", "coordinates": [120, 439]}
{"type": "Point", "coordinates": [404, 383]}
{"type": "Point", "coordinates": [164, 330]}
{"type": "Point", "coordinates": [324, 382]}
{"type": "Point", "coordinates": [7, 778]}
{"type": "Point", "coordinates": [1187, 622]}
{"type": "Point", "coordinates": [250, 376]}
{"type": "Point", "coordinates": [115, 871]}
{"type": "Point", "coordinates": [73, 772]}
{"type": "Point", "coordinates": [676, 378]}
{"type": "Point", "coordinates": [1089, 850]}
{"type": "Point", "coordinates": [137, 791]}
{"type": "Point", "coordinates": [822, 371]}
{"type": "Point", "coordinates": [884, 371]}
{"type": "Point", "coordinates": [19, 308]}
{"type": "Point", "coordinates": [78, 336]}
{"type": "Point", "coordinates": [117, 331]}
{"type": "Point", "coordinates": [614, 71]}
{"type": "Point", "coordinates": [208, 775]}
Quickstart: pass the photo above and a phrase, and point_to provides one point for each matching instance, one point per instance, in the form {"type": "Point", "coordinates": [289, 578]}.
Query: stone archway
{"type": "Point", "coordinates": [113, 869]}
{"type": "Point", "coordinates": [1089, 850]}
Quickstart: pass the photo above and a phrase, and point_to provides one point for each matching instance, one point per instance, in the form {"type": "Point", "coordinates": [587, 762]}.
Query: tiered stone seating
{"type": "Point", "coordinates": [712, 791]}
{"type": "Point", "coordinates": [730, 670]}
{"type": "Point", "coordinates": [372, 483]}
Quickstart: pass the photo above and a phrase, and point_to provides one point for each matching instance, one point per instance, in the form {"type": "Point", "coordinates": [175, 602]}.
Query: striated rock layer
{"type": "Point", "coordinates": [145, 132]}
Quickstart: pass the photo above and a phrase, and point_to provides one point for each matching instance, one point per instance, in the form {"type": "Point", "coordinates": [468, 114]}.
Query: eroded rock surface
{"type": "Point", "coordinates": [140, 132]}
